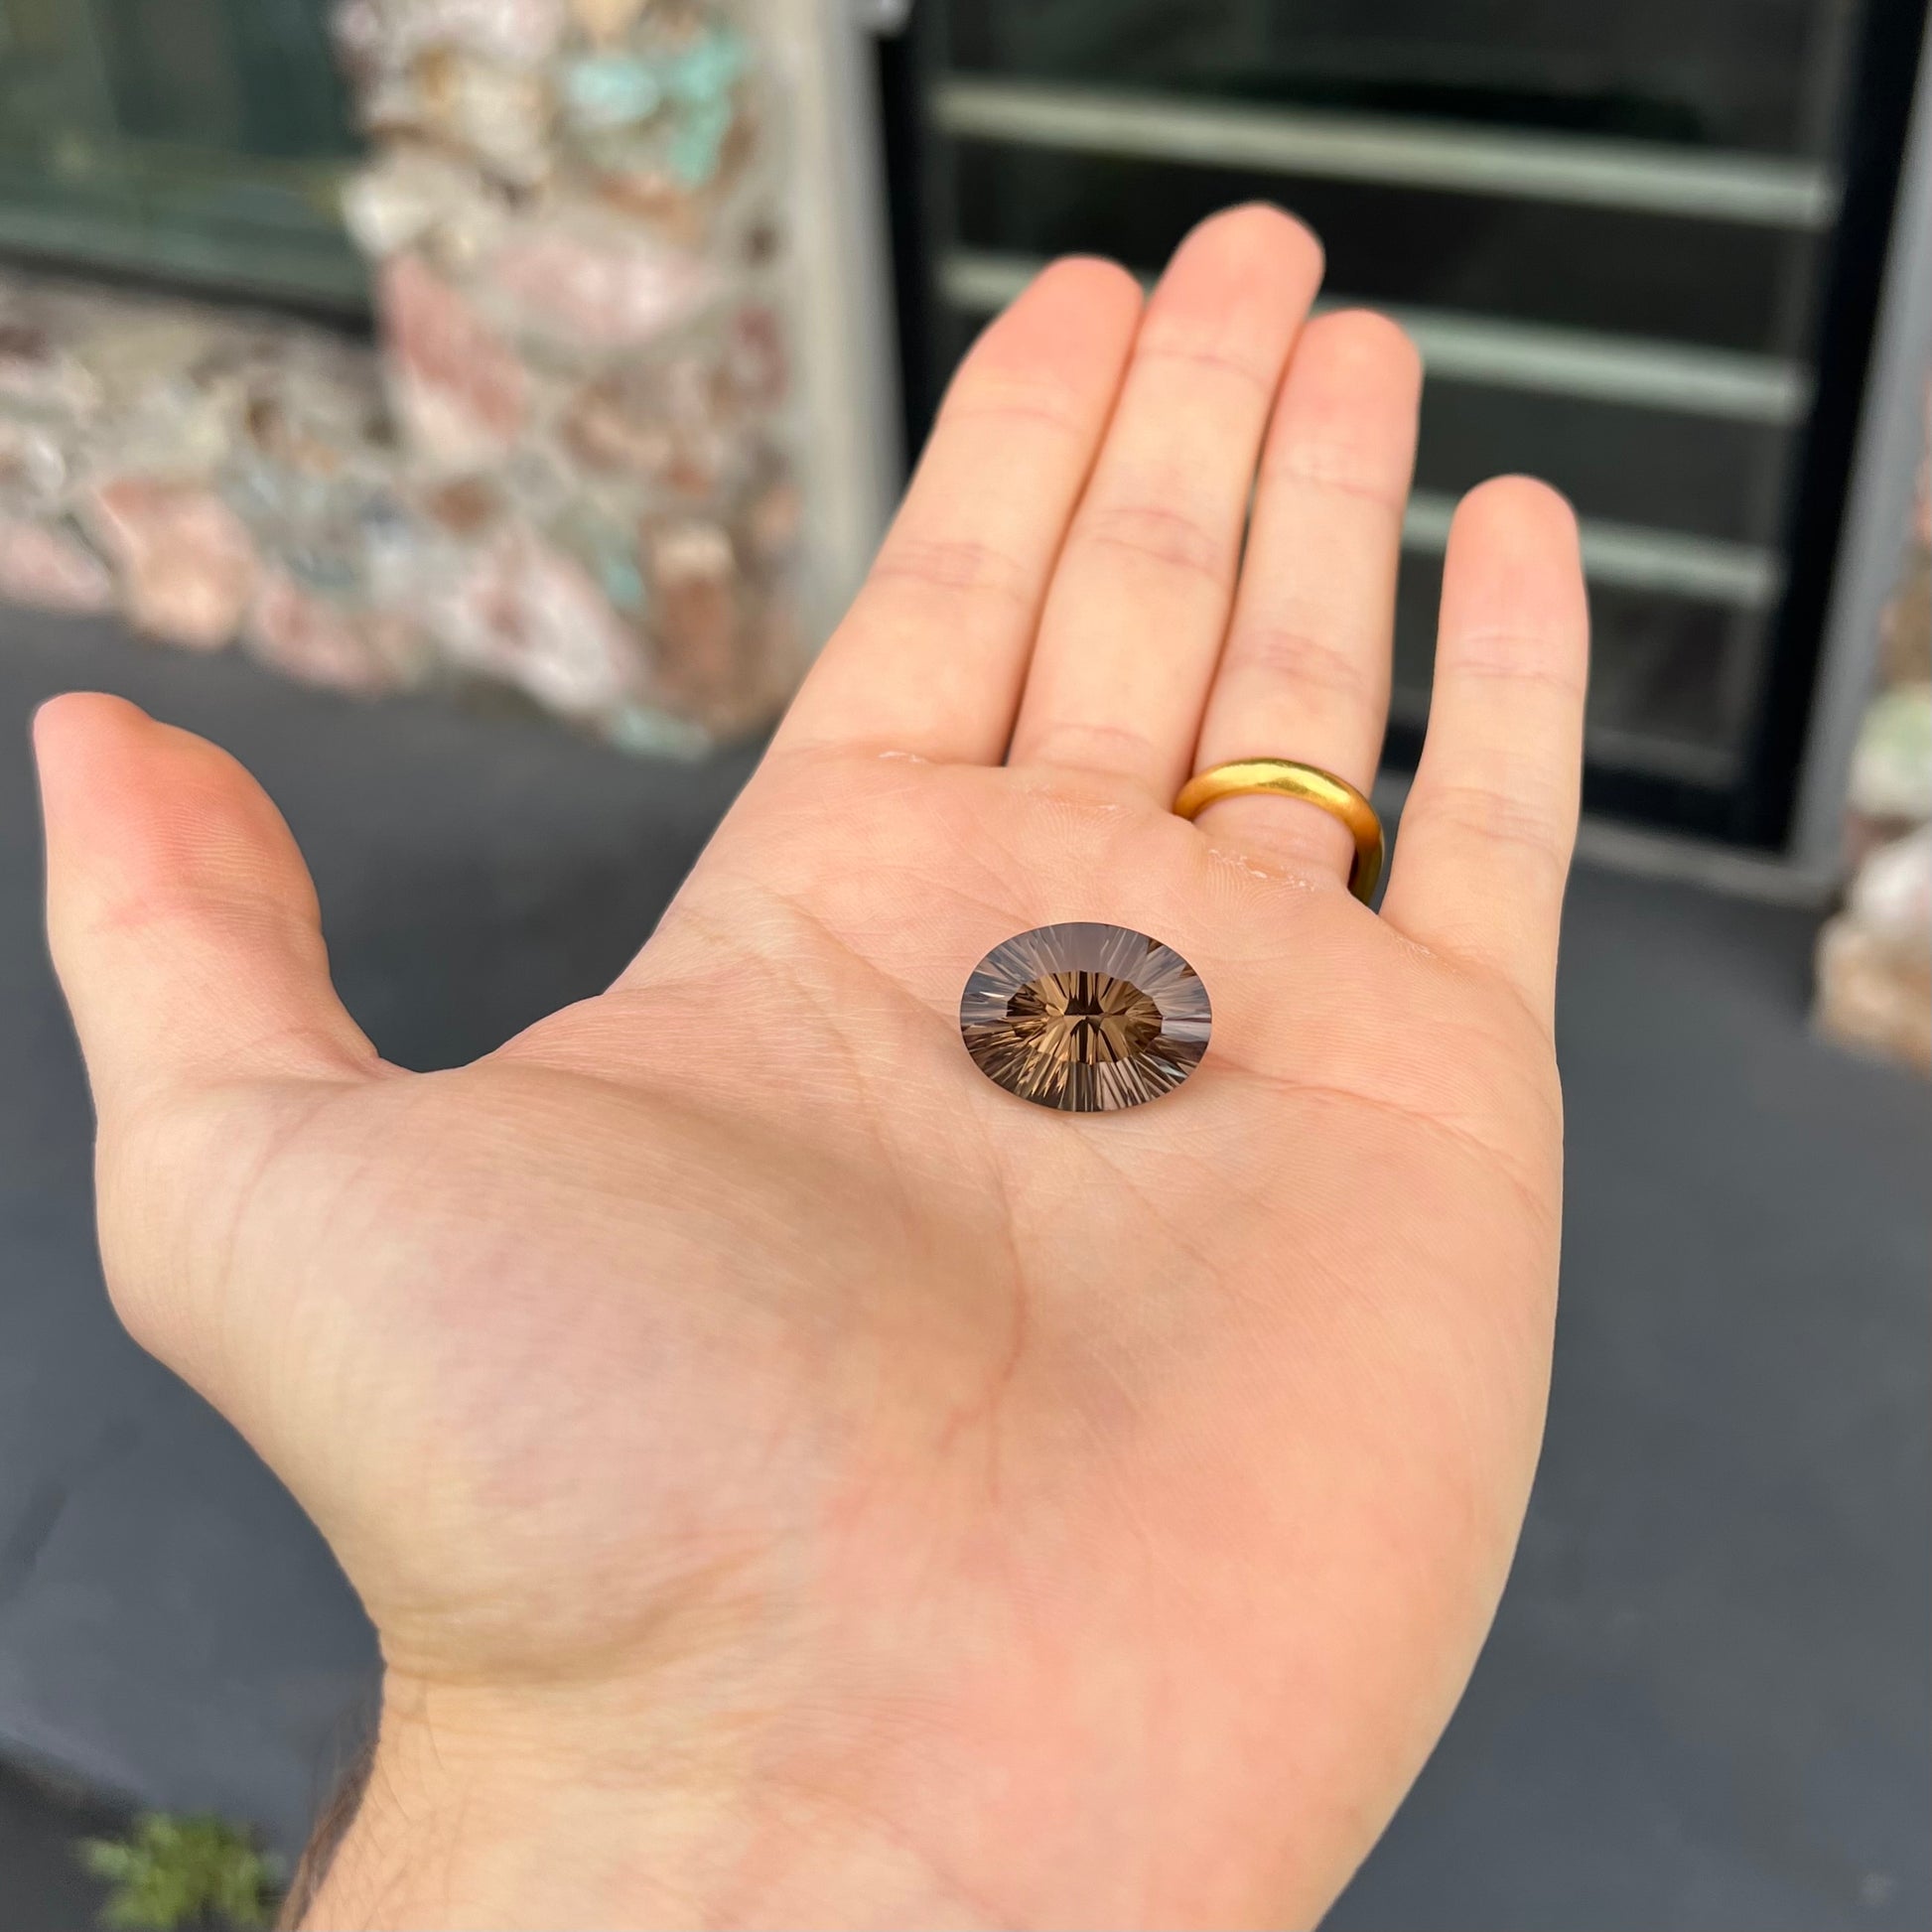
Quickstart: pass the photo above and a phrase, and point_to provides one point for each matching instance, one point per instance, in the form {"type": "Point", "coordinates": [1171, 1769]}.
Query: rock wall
{"type": "Point", "coordinates": [1875, 958]}
{"type": "Point", "coordinates": [567, 463]}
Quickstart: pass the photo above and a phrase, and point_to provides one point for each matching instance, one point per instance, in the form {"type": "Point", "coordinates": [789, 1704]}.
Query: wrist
{"type": "Point", "coordinates": [585, 1806]}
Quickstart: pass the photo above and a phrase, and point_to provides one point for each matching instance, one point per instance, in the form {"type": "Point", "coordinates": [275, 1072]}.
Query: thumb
{"type": "Point", "coordinates": [183, 923]}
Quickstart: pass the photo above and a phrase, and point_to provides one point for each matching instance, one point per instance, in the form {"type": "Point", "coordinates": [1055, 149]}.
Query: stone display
{"type": "Point", "coordinates": [565, 463]}
{"type": "Point", "coordinates": [1875, 957]}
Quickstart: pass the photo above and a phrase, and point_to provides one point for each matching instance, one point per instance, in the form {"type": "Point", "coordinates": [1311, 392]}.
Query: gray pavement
{"type": "Point", "coordinates": [1706, 1707]}
{"type": "Point", "coordinates": [42, 1821]}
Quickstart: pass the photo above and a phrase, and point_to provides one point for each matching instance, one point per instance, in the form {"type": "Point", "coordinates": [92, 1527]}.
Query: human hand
{"type": "Point", "coordinates": [793, 1479]}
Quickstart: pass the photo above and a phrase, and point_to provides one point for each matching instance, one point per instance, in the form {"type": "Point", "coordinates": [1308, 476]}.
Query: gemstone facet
{"type": "Point", "coordinates": [1085, 1018]}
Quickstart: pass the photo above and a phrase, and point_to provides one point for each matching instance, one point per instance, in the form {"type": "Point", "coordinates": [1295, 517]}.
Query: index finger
{"type": "Point", "coordinates": [931, 657]}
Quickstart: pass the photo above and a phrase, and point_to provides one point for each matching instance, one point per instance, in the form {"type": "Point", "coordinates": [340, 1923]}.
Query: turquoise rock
{"type": "Point", "coordinates": [707, 71]}
{"type": "Point", "coordinates": [700, 80]}
{"type": "Point", "coordinates": [698, 142]}
{"type": "Point", "coordinates": [612, 90]}
{"type": "Point", "coordinates": [609, 90]}
{"type": "Point", "coordinates": [623, 583]}
{"type": "Point", "coordinates": [647, 732]}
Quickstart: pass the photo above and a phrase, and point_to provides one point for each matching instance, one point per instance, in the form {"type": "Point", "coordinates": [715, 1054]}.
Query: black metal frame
{"type": "Point", "coordinates": [1882, 85]}
{"type": "Point", "coordinates": [1757, 811]}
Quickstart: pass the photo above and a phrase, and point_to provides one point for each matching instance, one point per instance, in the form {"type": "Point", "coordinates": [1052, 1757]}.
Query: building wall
{"type": "Point", "coordinates": [567, 465]}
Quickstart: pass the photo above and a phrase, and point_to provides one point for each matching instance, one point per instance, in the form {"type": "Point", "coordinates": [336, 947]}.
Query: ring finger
{"type": "Point", "coordinates": [1305, 674]}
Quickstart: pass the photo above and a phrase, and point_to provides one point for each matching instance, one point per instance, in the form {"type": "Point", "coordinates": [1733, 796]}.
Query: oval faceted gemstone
{"type": "Point", "coordinates": [1085, 1018]}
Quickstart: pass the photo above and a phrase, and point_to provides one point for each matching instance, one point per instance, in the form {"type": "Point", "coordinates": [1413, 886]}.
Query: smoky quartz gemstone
{"type": "Point", "coordinates": [1085, 1018]}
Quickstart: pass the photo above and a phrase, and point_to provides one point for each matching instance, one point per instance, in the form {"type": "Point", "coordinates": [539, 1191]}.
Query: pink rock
{"type": "Point", "coordinates": [1891, 896]}
{"type": "Point", "coordinates": [521, 32]}
{"type": "Point", "coordinates": [599, 289]}
{"type": "Point", "coordinates": [499, 114]}
{"type": "Point", "coordinates": [187, 564]}
{"type": "Point", "coordinates": [518, 32]}
{"type": "Point", "coordinates": [774, 521]}
{"type": "Point", "coordinates": [411, 194]}
{"type": "Point", "coordinates": [36, 459]}
{"type": "Point", "coordinates": [48, 568]}
{"type": "Point", "coordinates": [607, 20]}
{"type": "Point", "coordinates": [463, 505]}
{"type": "Point", "coordinates": [617, 424]}
{"type": "Point", "coordinates": [529, 615]}
{"type": "Point", "coordinates": [1872, 997]}
{"type": "Point", "coordinates": [462, 394]}
{"type": "Point", "coordinates": [777, 655]}
{"type": "Point", "coordinates": [660, 421]}
{"type": "Point", "coordinates": [320, 642]}
{"type": "Point", "coordinates": [30, 364]}
{"type": "Point", "coordinates": [758, 356]}
{"type": "Point", "coordinates": [694, 578]}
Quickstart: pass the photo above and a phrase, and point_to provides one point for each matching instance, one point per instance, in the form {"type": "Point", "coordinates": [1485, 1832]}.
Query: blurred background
{"type": "Point", "coordinates": [474, 412]}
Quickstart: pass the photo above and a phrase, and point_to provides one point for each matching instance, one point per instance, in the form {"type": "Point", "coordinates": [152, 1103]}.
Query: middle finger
{"type": "Point", "coordinates": [1134, 619]}
{"type": "Point", "coordinates": [1305, 673]}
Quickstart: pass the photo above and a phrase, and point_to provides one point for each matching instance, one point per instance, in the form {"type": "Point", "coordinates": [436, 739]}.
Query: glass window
{"type": "Point", "coordinates": [1757, 75]}
{"type": "Point", "coordinates": [199, 140]}
{"type": "Point", "coordinates": [1610, 231]}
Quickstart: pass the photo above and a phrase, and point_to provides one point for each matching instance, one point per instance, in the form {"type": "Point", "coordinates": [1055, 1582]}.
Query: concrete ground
{"type": "Point", "coordinates": [42, 1823]}
{"type": "Point", "coordinates": [1705, 1706]}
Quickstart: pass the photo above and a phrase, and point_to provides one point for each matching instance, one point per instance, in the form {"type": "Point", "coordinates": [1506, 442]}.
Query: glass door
{"type": "Point", "coordinates": [1639, 247]}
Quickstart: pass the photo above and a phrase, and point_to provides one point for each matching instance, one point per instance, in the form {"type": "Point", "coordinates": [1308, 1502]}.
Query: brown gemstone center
{"type": "Point", "coordinates": [1092, 1019]}
{"type": "Point", "coordinates": [1084, 1017]}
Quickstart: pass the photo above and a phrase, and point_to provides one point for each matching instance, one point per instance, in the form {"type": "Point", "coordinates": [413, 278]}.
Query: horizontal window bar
{"type": "Point", "coordinates": [264, 261]}
{"type": "Point", "coordinates": [1613, 745]}
{"type": "Point", "coordinates": [1632, 371]}
{"type": "Point", "coordinates": [1498, 355]}
{"type": "Point", "coordinates": [1631, 557]}
{"type": "Point", "coordinates": [1630, 750]}
{"type": "Point", "coordinates": [1625, 555]}
{"type": "Point", "coordinates": [1765, 189]}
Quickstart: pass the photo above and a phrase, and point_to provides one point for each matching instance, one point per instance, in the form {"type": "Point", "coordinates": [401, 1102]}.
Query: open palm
{"type": "Point", "coordinates": [795, 1480]}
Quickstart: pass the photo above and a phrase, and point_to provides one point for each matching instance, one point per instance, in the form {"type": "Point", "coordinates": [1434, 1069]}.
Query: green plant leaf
{"type": "Point", "coordinates": [172, 1873]}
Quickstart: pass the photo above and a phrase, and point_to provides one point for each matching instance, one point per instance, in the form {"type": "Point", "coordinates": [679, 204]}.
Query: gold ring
{"type": "Point", "coordinates": [1335, 796]}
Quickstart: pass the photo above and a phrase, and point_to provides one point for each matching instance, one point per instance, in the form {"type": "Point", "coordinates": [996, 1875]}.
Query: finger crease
{"type": "Point", "coordinates": [1208, 359]}
{"type": "Point", "coordinates": [1511, 656]}
{"type": "Point", "coordinates": [1297, 656]}
{"type": "Point", "coordinates": [1043, 414]}
{"type": "Point", "coordinates": [1162, 537]}
{"type": "Point", "coordinates": [1075, 746]}
{"type": "Point", "coordinates": [964, 567]}
{"type": "Point", "coordinates": [1492, 815]}
{"type": "Point", "coordinates": [1337, 473]}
